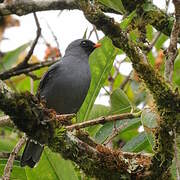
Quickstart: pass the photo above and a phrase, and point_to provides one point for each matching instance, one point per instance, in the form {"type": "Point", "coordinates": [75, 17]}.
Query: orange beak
{"type": "Point", "coordinates": [97, 45]}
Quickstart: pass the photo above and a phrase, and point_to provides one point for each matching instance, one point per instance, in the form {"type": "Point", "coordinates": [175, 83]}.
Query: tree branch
{"type": "Point", "coordinates": [23, 7]}
{"type": "Point", "coordinates": [29, 68]}
{"type": "Point", "coordinates": [5, 155]}
{"type": "Point", "coordinates": [100, 161]}
{"type": "Point", "coordinates": [167, 102]}
{"type": "Point", "coordinates": [9, 165]}
{"type": "Point", "coordinates": [172, 49]}
{"type": "Point", "coordinates": [24, 63]}
{"type": "Point", "coordinates": [162, 23]}
{"type": "Point", "coordinates": [102, 120]}
{"type": "Point", "coordinates": [96, 160]}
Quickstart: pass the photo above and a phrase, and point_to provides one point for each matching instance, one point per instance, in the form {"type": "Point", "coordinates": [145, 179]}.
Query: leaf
{"type": "Point", "coordinates": [11, 57]}
{"type": "Point", "coordinates": [97, 111]}
{"type": "Point", "coordinates": [119, 102]}
{"type": "Point", "coordinates": [114, 4]}
{"type": "Point", "coordinates": [17, 172]}
{"type": "Point", "coordinates": [124, 24]}
{"type": "Point", "coordinates": [151, 58]}
{"type": "Point", "coordinates": [85, 34]}
{"type": "Point", "coordinates": [136, 144]}
{"type": "Point", "coordinates": [134, 35]}
{"type": "Point", "coordinates": [176, 77]}
{"type": "Point", "coordinates": [52, 166]}
{"type": "Point", "coordinates": [149, 32]}
{"type": "Point", "coordinates": [106, 130]}
{"type": "Point", "coordinates": [160, 41]}
{"type": "Point", "coordinates": [101, 62]}
{"type": "Point", "coordinates": [149, 121]}
{"type": "Point", "coordinates": [8, 139]}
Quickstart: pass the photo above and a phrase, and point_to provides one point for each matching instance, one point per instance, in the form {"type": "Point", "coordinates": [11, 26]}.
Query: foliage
{"type": "Point", "coordinates": [133, 97]}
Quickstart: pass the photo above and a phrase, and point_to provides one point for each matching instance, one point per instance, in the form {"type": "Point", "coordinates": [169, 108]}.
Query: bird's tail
{"type": "Point", "coordinates": [32, 153]}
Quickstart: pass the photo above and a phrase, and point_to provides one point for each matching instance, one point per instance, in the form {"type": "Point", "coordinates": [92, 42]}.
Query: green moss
{"type": "Point", "coordinates": [27, 114]}
{"type": "Point", "coordinates": [167, 102]}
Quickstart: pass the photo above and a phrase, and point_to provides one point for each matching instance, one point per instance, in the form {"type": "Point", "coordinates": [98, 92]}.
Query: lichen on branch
{"type": "Point", "coordinates": [167, 102]}
{"type": "Point", "coordinates": [40, 124]}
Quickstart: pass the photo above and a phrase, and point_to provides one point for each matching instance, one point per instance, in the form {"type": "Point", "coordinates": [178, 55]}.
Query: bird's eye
{"type": "Point", "coordinates": [84, 43]}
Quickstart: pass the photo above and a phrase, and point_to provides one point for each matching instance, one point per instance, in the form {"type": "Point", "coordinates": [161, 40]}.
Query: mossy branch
{"type": "Point", "coordinates": [150, 13]}
{"type": "Point", "coordinates": [39, 123]}
{"type": "Point", "coordinates": [167, 102]}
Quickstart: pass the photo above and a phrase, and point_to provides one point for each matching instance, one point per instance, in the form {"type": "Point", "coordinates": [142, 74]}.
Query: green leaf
{"type": "Point", "coordinates": [160, 41]}
{"type": "Point", "coordinates": [52, 166]}
{"type": "Point", "coordinates": [114, 4]}
{"type": "Point", "coordinates": [176, 73]}
{"type": "Point", "coordinates": [134, 35]}
{"type": "Point", "coordinates": [151, 58]}
{"type": "Point", "coordinates": [136, 144]}
{"type": "Point", "coordinates": [8, 140]}
{"type": "Point", "coordinates": [97, 111]}
{"type": "Point", "coordinates": [11, 57]}
{"type": "Point", "coordinates": [17, 172]}
{"type": "Point", "coordinates": [149, 32]}
{"type": "Point", "coordinates": [106, 130]}
{"type": "Point", "coordinates": [149, 121]}
{"type": "Point", "coordinates": [124, 24]}
{"type": "Point", "coordinates": [101, 62]}
{"type": "Point", "coordinates": [119, 102]}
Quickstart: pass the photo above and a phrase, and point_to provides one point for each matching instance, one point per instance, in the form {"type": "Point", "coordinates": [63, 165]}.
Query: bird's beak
{"type": "Point", "coordinates": [97, 45]}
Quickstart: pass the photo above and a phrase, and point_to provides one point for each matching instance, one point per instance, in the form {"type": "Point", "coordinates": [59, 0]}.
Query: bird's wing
{"type": "Point", "coordinates": [47, 76]}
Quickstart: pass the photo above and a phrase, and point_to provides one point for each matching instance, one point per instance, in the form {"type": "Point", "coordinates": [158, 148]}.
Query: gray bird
{"type": "Point", "coordinates": [64, 88]}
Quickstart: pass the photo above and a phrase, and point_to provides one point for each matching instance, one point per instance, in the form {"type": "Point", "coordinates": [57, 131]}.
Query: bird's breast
{"type": "Point", "coordinates": [68, 90]}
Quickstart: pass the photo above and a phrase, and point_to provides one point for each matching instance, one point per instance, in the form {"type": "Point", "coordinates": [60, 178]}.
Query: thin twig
{"type": "Point", "coordinates": [172, 49]}
{"type": "Point", "coordinates": [5, 121]}
{"type": "Point", "coordinates": [125, 81]}
{"type": "Point", "coordinates": [62, 118]}
{"type": "Point", "coordinates": [29, 68]}
{"type": "Point", "coordinates": [158, 34]}
{"type": "Point", "coordinates": [53, 34]}
{"type": "Point", "coordinates": [33, 76]}
{"type": "Point", "coordinates": [96, 33]}
{"type": "Point", "coordinates": [114, 134]}
{"type": "Point", "coordinates": [114, 76]}
{"type": "Point", "coordinates": [153, 42]}
{"type": "Point", "coordinates": [5, 155]}
{"type": "Point", "coordinates": [9, 164]}
{"type": "Point", "coordinates": [90, 33]}
{"type": "Point", "coordinates": [102, 120]}
{"type": "Point", "coordinates": [38, 33]}
{"type": "Point", "coordinates": [106, 90]}
{"type": "Point", "coordinates": [9, 80]}
{"type": "Point", "coordinates": [24, 63]}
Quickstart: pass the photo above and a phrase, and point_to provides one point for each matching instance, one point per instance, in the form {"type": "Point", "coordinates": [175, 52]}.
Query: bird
{"type": "Point", "coordinates": [63, 87]}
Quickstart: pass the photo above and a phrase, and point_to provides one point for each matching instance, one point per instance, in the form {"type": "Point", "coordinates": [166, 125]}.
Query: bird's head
{"type": "Point", "coordinates": [80, 46]}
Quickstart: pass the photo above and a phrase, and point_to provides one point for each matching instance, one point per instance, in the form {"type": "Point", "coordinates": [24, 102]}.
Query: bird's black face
{"type": "Point", "coordinates": [88, 46]}
{"type": "Point", "coordinates": [79, 46]}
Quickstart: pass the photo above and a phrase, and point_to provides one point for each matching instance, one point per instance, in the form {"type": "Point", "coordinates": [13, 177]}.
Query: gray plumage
{"type": "Point", "coordinates": [64, 88]}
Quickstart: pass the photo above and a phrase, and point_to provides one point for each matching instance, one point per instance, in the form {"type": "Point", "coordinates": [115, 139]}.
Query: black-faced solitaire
{"type": "Point", "coordinates": [64, 88]}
